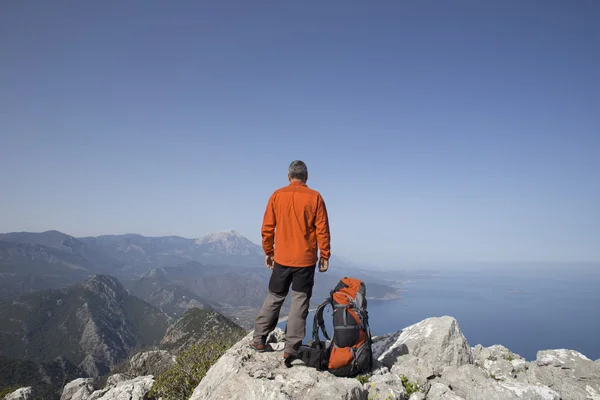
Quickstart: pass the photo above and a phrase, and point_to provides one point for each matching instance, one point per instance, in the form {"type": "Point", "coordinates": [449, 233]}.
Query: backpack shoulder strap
{"type": "Point", "coordinates": [319, 323]}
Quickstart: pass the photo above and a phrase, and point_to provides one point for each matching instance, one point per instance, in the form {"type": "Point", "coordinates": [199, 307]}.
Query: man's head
{"type": "Point", "coordinates": [297, 171]}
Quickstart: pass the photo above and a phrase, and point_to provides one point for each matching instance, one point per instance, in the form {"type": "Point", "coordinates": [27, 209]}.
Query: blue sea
{"type": "Point", "coordinates": [525, 308]}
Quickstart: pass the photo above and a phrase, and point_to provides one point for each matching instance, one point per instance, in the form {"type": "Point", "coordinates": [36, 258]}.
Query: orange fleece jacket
{"type": "Point", "coordinates": [295, 226]}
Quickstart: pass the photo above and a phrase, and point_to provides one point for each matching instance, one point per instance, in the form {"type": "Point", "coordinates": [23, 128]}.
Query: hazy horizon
{"type": "Point", "coordinates": [464, 131]}
{"type": "Point", "coordinates": [391, 266]}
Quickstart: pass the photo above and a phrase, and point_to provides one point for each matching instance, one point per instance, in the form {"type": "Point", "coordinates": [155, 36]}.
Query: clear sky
{"type": "Point", "coordinates": [435, 130]}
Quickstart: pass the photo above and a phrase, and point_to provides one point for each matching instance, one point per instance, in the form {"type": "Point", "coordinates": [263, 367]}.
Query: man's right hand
{"type": "Point", "coordinates": [269, 262]}
{"type": "Point", "coordinates": [323, 265]}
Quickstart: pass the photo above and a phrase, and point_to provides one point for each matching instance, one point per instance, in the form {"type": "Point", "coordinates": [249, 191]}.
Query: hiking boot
{"type": "Point", "coordinates": [258, 347]}
{"type": "Point", "coordinates": [287, 359]}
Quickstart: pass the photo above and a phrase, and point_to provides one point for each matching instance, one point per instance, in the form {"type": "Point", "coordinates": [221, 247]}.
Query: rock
{"type": "Point", "coordinates": [390, 357]}
{"type": "Point", "coordinates": [472, 383]}
{"type": "Point", "coordinates": [232, 377]}
{"type": "Point", "coordinates": [500, 369]}
{"type": "Point", "coordinates": [79, 389]}
{"type": "Point", "coordinates": [132, 389]}
{"type": "Point", "coordinates": [115, 379]}
{"type": "Point", "coordinates": [439, 391]}
{"type": "Point", "coordinates": [496, 352]}
{"type": "Point", "coordinates": [499, 361]}
{"type": "Point", "coordinates": [386, 387]}
{"type": "Point", "coordinates": [151, 363]}
{"type": "Point", "coordinates": [422, 350]}
{"type": "Point", "coordinates": [432, 354]}
{"type": "Point", "coordinates": [415, 369]}
{"type": "Point", "coordinates": [519, 366]}
{"type": "Point", "coordinates": [570, 373]}
{"type": "Point", "coordinates": [24, 393]}
{"type": "Point", "coordinates": [438, 341]}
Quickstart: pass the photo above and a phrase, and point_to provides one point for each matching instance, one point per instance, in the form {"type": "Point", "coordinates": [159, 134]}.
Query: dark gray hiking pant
{"type": "Point", "coordinates": [302, 280]}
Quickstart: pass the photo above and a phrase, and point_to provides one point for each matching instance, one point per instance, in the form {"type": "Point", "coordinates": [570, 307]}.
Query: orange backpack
{"type": "Point", "coordinates": [349, 352]}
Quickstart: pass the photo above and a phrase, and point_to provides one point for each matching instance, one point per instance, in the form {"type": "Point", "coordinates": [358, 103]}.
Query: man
{"type": "Point", "coordinates": [295, 226]}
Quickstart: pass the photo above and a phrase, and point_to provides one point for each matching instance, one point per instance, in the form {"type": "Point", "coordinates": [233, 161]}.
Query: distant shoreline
{"type": "Point", "coordinates": [396, 296]}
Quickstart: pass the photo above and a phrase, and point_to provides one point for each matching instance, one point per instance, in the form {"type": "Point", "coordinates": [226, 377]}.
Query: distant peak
{"type": "Point", "coordinates": [219, 236]}
{"type": "Point", "coordinates": [97, 282]}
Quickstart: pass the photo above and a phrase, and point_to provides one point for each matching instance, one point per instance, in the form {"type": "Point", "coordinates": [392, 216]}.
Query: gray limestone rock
{"type": "Point", "coordinates": [24, 393]}
{"type": "Point", "coordinates": [493, 353]}
{"type": "Point", "coordinates": [439, 391]}
{"type": "Point", "coordinates": [438, 341]}
{"type": "Point", "coordinates": [500, 369]}
{"type": "Point", "coordinates": [132, 389]}
{"type": "Point", "coordinates": [421, 351]}
{"type": "Point", "coordinates": [115, 379]}
{"type": "Point", "coordinates": [233, 377]}
{"type": "Point", "coordinates": [473, 383]}
{"type": "Point", "coordinates": [570, 373]}
{"type": "Point", "coordinates": [415, 369]}
{"type": "Point", "coordinates": [78, 389]}
{"type": "Point", "coordinates": [385, 387]}
{"type": "Point", "coordinates": [499, 361]}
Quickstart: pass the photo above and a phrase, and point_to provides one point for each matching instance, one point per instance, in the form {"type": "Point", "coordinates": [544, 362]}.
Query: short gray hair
{"type": "Point", "coordinates": [298, 170]}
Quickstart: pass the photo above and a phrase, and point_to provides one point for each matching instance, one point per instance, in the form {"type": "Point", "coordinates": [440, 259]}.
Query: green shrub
{"type": "Point", "coordinates": [363, 379]}
{"type": "Point", "coordinates": [410, 387]}
{"type": "Point", "coordinates": [510, 356]}
{"type": "Point", "coordinates": [179, 381]}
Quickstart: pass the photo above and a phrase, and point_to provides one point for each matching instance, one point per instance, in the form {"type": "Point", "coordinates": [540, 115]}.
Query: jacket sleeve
{"type": "Point", "coordinates": [268, 228]}
{"type": "Point", "coordinates": [322, 225]}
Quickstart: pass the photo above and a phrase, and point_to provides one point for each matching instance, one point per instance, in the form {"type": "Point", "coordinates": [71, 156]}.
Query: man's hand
{"type": "Point", "coordinates": [323, 265]}
{"type": "Point", "coordinates": [269, 262]}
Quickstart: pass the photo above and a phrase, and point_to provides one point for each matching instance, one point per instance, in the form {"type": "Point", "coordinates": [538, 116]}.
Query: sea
{"type": "Point", "coordinates": [526, 308]}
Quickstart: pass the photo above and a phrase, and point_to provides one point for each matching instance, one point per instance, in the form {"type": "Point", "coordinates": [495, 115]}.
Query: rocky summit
{"type": "Point", "coordinates": [428, 360]}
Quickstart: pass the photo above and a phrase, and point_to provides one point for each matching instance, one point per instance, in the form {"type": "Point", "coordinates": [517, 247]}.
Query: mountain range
{"type": "Point", "coordinates": [93, 324]}
{"type": "Point", "coordinates": [33, 261]}
{"type": "Point", "coordinates": [89, 330]}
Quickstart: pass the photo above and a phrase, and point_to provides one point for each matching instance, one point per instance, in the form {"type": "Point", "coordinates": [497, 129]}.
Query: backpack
{"type": "Point", "coordinates": [349, 352]}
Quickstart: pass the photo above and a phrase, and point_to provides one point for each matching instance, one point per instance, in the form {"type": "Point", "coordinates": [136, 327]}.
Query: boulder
{"type": "Point", "coordinates": [568, 372]}
{"type": "Point", "coordinates": [242, 373]}
{"type": "Point", "coordinates": [78, 389]}
{"type": "Point", "coordinates": [473, 383]}
{"type": "Point", "coordinates": [415, 369]}
{"type": "Point", "coordinates": [115, 380]}
{"type": "Point", "coordinates": [500, 369]}
{"type": "Point", "coordinates": [499, 362]}
{"type": "Point", "coordinates": [24, 393]}
{"type": "Point", "coordinates": [132, 389]}
{"type": "Point", "coordinates": [385, 387]}
{"type": "Point", "coordinates": [439, 391]}
{"type": "Point", "coordinates": [483, 355]}
{"type": "Point", "coordinates": [438, 341]}
{"type": "Point", "coordinates": [421, 351]}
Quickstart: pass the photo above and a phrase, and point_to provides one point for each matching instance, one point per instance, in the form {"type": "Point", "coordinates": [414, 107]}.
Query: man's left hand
{"type": "Point", "coordinates": [269, 262]}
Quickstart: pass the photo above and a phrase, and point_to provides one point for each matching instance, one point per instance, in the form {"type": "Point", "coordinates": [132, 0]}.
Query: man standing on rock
{"type": "Point", "coordinates": [295, 226]}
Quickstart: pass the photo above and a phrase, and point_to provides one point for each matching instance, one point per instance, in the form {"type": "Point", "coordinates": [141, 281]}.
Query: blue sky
{"type": "Point", "coordinates": [436, 131]}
